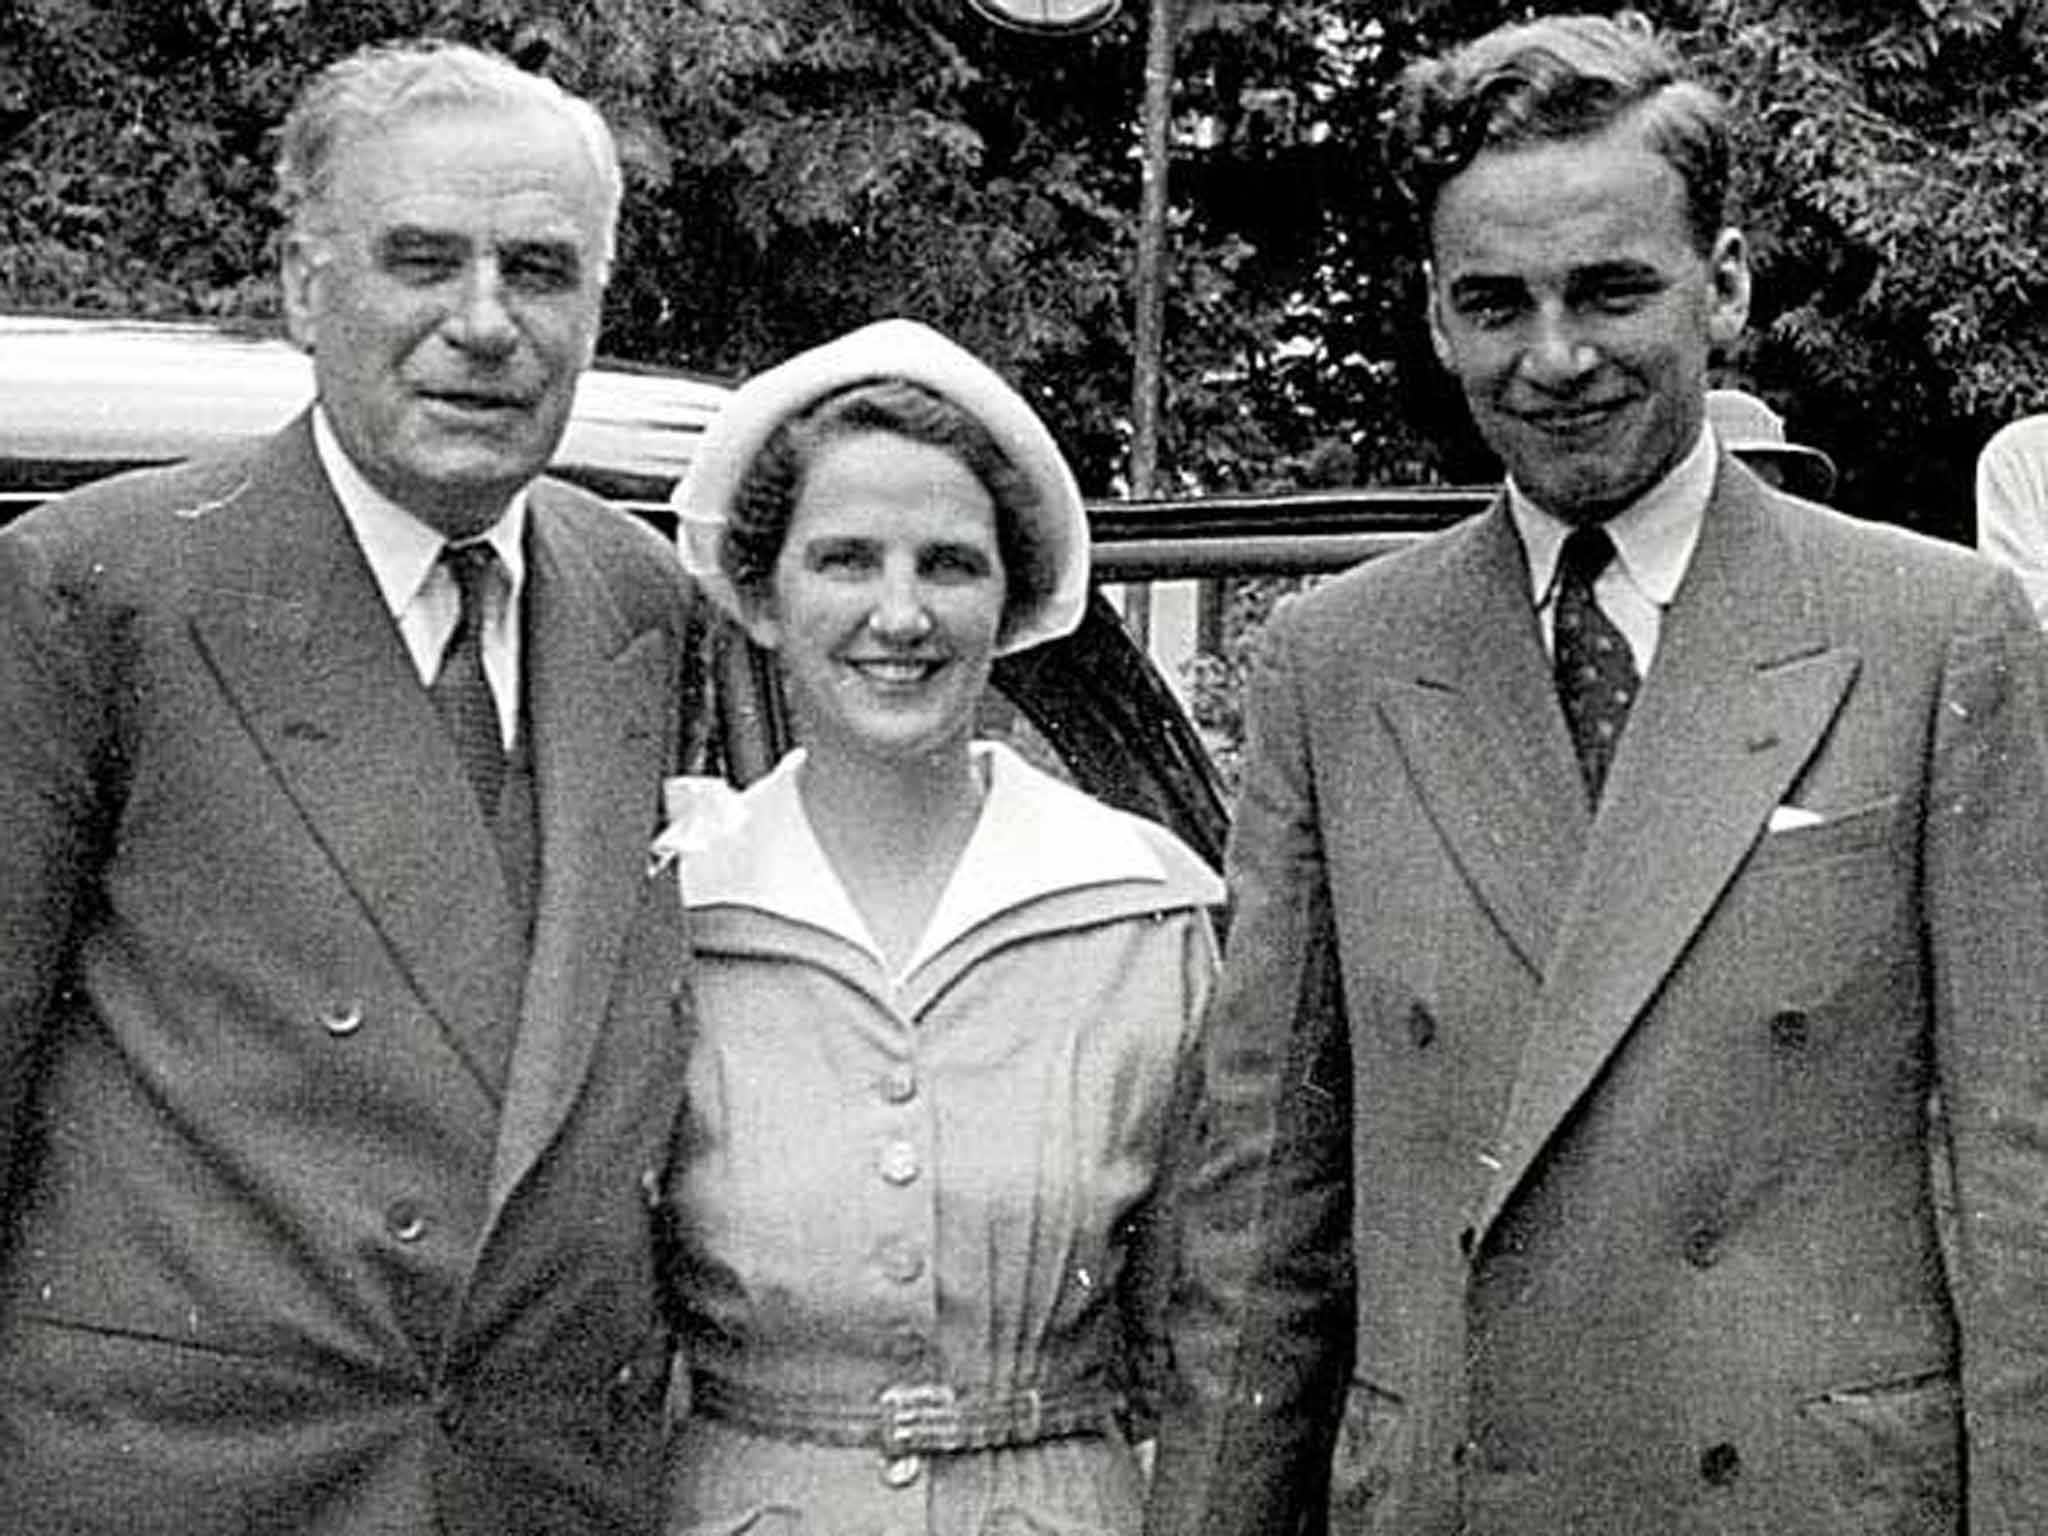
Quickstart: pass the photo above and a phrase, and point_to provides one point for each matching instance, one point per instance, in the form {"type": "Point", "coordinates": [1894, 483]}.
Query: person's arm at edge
{"type": "Point", "coordinates": [2012, 508]}
{"type": "Point", "coordinates": [1986, 864]}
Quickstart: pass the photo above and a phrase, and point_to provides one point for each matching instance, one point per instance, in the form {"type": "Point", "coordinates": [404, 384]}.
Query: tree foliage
{"type": "Point", "coordinates": [797, 166]}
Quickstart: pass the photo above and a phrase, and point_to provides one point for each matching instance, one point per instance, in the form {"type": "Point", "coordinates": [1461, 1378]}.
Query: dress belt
{"type": "Point", "coordinates": [909, 1420]}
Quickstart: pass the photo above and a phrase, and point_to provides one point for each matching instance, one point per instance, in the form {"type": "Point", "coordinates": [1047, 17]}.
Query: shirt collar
{"type": "Point", "coordinates": [401, 549]}
{"type": "Point", "coordinates": [1654, 536]}
{"type": "Point", "coordinates": [1035, 837]}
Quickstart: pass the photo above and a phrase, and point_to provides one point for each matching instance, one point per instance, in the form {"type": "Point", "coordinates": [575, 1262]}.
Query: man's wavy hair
{"type": "Point", "coordinates": [1556, 79]}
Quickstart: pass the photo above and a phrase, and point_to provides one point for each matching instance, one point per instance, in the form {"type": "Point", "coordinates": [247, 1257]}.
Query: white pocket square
{"type": "Point", "coordinates": [1790, 818]}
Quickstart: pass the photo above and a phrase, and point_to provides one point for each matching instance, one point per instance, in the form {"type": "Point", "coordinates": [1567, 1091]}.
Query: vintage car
{"type": "Point", "coordinates": [82, 397]}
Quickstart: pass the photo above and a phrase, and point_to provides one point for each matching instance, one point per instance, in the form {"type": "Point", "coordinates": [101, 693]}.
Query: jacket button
{"type": "Point", "coordinates": [342, 1019]}
{"type": "Point", "coordinates": [1702, 1247]}
{"type": "Point", "coordinates": [898, 1162]}
{"type": "Point", "coordinates": [1720, 1464]}
{"type": "Point", "coordinates": [902, 1471]}
{"type": "Point", "coordinates": [899, 1083]}
{"type": "Point", "coordinates": [650, 1188]}
{"type": "Point", "coordinates": [1789, 1030]}
{"type": "Point", "coordinates": [1468, 1240]}
{"type": "Point", "coordinates": [1421, 1027]}
{"type": "Point", "coordinates": [405, 1220]}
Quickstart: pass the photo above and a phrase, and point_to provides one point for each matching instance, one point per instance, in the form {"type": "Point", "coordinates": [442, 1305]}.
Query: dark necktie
{"type": "Point", "coordinates": [460, 690]}
{"type": "Point", "coordinates": [1596, 675]}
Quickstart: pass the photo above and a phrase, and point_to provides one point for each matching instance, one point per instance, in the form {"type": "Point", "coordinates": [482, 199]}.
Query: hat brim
{"type": "Point", "coordinates": [1056, 540]}
{"type": "Point", "coordinates": [1807, 472]}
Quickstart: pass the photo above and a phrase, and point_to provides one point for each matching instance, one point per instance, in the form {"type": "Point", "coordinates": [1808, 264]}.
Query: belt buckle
{"type": "Point", "coordinates": [921, 1417]}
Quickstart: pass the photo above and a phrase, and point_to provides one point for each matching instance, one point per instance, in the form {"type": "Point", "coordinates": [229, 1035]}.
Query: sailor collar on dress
{"type": "Point", "coordinates": [402, 550]}
{"type": "Point", "coordinates": [1035, 837]}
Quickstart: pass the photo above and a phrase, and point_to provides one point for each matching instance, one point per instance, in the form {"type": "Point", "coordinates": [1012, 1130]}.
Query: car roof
{"type": "Point", "coordinates": [83, 394]}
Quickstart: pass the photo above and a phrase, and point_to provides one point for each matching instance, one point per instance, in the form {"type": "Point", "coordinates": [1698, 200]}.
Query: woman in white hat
{"type": "Point", "coordinates": [945, 1004]}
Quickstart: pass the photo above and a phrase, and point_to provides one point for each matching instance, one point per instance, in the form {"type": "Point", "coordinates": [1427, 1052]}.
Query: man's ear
{"type": "Point", "coordinates": [1432, 312]}
{"type": "Point", "coordinates": [299, 271]}
{"type": "Point", "coordinates": [1728, 269]}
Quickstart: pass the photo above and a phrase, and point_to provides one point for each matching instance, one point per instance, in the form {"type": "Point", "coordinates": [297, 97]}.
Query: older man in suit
{"type": "Point", "coordinates": [1619, 877]}
{"type": "Point", "coordinates": [339, 1020]}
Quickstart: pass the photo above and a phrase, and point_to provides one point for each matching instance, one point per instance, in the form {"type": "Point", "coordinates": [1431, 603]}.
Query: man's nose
{"type": "Point", "coordinates": [482, 320]}
{"type": "Point", "coordinates": [1557, 352]}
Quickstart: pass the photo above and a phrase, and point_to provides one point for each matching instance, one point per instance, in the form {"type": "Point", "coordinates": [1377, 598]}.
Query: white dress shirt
{"type": "Point", "coordinates": [1654, 538]}
{"type": "Point", "coordinates": [405, 558]}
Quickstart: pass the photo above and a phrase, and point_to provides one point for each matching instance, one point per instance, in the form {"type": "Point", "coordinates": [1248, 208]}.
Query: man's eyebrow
{"type": "Point", "coordinates": [1621, 269]}
{"type": "Point", "coordinates": [531, 242]}
{"type": "Point", "coordinates": [1486, 283]}
{"type": "Point", "coordinates": [416, 235]}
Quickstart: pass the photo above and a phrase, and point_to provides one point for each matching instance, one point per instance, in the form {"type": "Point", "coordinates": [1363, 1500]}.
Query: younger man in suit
{"type": "Point", "coordinates": [338, 1019]}
{"type": "Point", "coordinates": [1617, 876]}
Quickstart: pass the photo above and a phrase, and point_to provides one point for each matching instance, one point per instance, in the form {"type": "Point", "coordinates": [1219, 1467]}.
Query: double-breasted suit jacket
{"type": "Point", "coordinates": [1569, 1172]}
{"type": "Point", "coordinates": [300, 1237]}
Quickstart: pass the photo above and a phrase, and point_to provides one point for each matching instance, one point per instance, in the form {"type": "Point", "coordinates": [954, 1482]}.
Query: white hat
{"type": "Point", "coordinates": [1751, 430]}
{"type": "Point", "coordinates": [893, 349]}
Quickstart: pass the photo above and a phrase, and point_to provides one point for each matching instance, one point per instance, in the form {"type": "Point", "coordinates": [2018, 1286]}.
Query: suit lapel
{"type": "Point", "coordinates": [291, 621]}
{"type": "Point", "coordinates": [597, 697]}
{"type": "Point", "coordinates": [1485, 743]}
{"type": "Point", "coordinates": [1744, 687]}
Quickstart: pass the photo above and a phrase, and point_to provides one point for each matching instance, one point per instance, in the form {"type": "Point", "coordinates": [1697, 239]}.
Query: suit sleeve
{"type": "Point", "coordinates": [55, 750]}
{"type": "Point", "coordinates": [1261, 1326]}
{"type": "Point", "coordinates": [1987, 904]}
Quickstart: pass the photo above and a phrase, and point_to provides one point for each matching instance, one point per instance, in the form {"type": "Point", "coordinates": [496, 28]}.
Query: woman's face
{"type": "Point", "coordinates": [886, 598]}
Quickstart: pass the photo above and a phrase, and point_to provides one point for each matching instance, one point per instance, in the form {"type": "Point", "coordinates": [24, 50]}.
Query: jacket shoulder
{"type": "Point", "coordinates": [1391, 600]}
{"type": "Point", "coordinates": [1865, 571]}
{"type": "Point", "coordinates": [123, 508]}
{"type": "Point", "coordinates": [625, 549]}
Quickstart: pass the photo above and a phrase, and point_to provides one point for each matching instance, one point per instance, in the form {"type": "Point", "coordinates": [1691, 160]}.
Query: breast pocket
{"type": "Point", "coordinates": [1889, 1455]}
{"type": "Point", "coordinates": [1837, 835]}
{"type": "Point", "coordinates": [1824, 903]}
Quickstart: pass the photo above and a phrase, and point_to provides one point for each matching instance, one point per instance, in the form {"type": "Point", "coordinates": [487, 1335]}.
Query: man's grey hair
{"type": "Point", "coordinates": [369, 88]}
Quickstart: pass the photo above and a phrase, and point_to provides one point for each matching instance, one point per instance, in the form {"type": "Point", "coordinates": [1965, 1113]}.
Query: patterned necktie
{"type": "Point", "coordinates": [460, 689]}
{"type": "Point", "coordinates": [1596, 674]}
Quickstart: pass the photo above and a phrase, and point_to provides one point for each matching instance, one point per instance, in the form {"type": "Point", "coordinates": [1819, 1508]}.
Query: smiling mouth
{"type": "Point", "coordinates": [895, 671]}
{"type": "Point", "coordinates": [471, 403]}
{"type": "Point", "coordinates": [1572, 423]}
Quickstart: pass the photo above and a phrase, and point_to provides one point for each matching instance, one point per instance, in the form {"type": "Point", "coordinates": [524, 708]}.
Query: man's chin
{"type": "Point", "coordinates": [1591, 496]}
{"type": "Point", "coordinates": [462, 494]}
